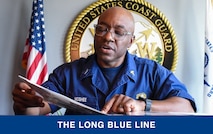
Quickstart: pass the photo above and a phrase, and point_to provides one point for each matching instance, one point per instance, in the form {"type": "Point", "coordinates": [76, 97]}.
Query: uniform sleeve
{"type": "Point", "coordinates": [167, 85]}
{"type": "Point", "coordinates": [56, 82]}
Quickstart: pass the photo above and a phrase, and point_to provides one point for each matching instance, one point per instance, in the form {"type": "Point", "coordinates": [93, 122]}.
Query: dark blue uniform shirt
{"type": "Point", "coordinates": [83, 81]}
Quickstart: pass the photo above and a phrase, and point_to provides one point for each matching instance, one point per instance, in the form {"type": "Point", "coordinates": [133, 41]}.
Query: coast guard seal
{"type": "Point", "coordinates": [154, 36]}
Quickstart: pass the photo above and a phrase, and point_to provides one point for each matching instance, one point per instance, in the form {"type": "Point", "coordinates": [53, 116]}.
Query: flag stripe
{"type": "Point", "coordinates": [33, 65]}
{"type": "Point", "coordinates": [42, 77]}
{"type": "Point", "coordinates": [37, 67]}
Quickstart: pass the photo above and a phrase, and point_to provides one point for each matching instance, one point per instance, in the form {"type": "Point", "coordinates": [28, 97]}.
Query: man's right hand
{"type": "Point", "coordinates": [24, 97]}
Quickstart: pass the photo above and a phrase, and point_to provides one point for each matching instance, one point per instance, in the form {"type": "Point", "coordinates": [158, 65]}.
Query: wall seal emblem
{"type": "Point", "coordinates": [155, 37]}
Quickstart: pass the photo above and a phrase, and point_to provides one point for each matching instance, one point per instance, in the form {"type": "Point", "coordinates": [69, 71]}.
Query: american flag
{"type": "Point", "coordinates": [34, 56]}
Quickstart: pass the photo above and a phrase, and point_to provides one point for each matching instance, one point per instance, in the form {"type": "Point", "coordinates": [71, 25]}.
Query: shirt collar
{"type": "Point", "coordinates": [129, 69]}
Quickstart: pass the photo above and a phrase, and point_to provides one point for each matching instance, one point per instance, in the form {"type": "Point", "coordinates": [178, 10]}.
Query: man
{"type": "Point", "coordinates": [111, 80]}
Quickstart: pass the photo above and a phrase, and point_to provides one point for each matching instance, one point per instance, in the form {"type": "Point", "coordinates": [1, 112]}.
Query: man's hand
{"type": "Point", "coordinates": [121, 104]}
{"type": "Point", "coordinates": [24, 97]}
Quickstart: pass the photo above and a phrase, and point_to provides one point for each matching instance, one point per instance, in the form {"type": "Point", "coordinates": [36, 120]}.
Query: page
{"type": "Point", "coordinates": [61, 100]}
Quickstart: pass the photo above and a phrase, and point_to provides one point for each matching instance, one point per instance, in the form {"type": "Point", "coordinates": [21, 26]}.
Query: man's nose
{"type": "Point", "coordinates": [109, 35]}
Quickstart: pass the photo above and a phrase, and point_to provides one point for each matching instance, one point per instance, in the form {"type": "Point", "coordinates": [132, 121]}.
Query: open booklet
{"type": "Point", "coordinates": [61, 100]}
{"type": "Point", "coordinates": [66, 102]}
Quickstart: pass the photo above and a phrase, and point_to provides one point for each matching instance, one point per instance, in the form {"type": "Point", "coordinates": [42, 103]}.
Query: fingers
{"type": "Point", "coordinates": [128, 104]}
{"type": "Point", "coordinates": [119, 104]}
{"type": "Point", "coordinates": [19, 109]}
{"type": "Point", "coordinates": [29, 100]}
{"type": "Point", "coordinates": [108, 105]}
{"type": "Point", "coordinates": [20, 88]}
{"type": "Point", "coordinates": [24, 97]}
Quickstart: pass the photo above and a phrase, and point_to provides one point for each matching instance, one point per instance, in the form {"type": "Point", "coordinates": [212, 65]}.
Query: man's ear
{"type": "Point", "coordinates": [132, 40]}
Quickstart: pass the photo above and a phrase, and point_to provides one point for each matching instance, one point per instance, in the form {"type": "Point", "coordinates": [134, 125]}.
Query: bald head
{"type": "Point", "coordinates": [118, 15]}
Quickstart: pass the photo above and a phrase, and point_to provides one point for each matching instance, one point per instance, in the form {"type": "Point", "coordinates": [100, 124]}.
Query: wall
{"type": "Point", "coordinates": [184, 16]}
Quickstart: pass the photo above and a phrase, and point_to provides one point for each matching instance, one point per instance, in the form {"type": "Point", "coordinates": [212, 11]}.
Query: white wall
{"type": "Point", "coordinates": [186, 17]}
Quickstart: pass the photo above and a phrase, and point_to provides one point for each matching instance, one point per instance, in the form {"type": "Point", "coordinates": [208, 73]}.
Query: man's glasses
{"type": "Point", "coordinates": [118, 33]}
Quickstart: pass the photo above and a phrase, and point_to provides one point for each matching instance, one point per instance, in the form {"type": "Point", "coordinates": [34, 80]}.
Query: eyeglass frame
{"type": "Point", "coordinates": [118, 37]}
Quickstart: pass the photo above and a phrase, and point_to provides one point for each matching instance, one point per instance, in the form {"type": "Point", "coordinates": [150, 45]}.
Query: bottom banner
{"type": "Point", "coordinates": [106, 124]}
